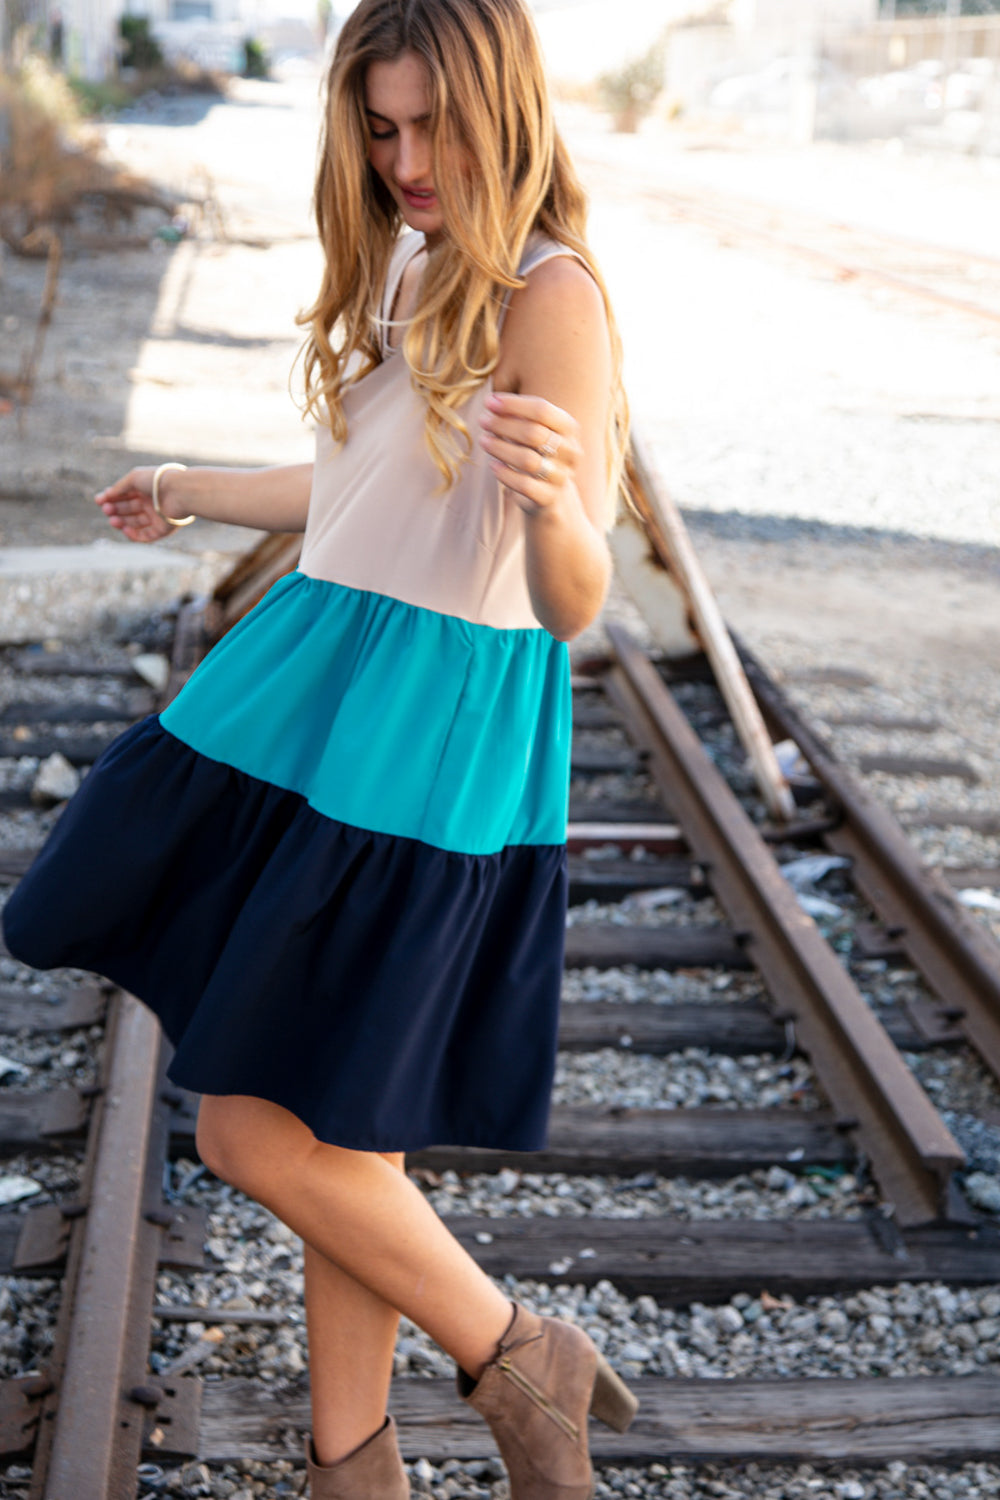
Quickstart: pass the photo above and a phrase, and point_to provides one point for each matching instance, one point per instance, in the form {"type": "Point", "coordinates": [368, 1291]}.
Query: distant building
{"type": "Point", "coordinates": [89, 36]}
{"type": "Point", "coordinates": [787, 17]}
{"type": "Point", "coordinates": [90, 29]}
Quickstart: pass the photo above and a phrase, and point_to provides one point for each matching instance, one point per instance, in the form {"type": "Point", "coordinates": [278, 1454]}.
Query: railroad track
{"type": "Point", "coordinates": [94, 1409]}
{"type": "Point", "coordinates": [944, 276]}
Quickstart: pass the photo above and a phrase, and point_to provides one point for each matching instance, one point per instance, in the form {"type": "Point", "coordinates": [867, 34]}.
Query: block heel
{"type": "Point", "coordinates": [535, 1394]}
{"type": "Point", "coordinates": [612, 1402]}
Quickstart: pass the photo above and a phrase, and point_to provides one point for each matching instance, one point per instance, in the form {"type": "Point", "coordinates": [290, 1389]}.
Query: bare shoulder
{"type": "Point", "coordinates": [557, 319]}
{"type": "Point", "coordinates": [565, 276]}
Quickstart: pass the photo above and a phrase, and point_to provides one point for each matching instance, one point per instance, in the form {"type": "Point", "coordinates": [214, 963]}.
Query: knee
{"type": "Point", "coordinates": [242, 1140]}
{"type": "Point", "coordinates": [254, 1145]}
{"type": "Point", "coordinates": [216, 1139]}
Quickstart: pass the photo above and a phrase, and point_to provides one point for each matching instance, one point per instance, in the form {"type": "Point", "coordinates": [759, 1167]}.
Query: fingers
{"type": "Point", "coordinates": [128, 506]}
{"type": "Point", "coordinates": [136, 481]}
{"type": "Point", "coordinates": [529, 420]}
{"type": "Point", "coordinates": [532, 445]}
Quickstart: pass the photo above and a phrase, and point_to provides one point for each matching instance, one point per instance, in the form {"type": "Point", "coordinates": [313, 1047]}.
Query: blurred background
{"type": "Point", "coordinates": [795, 203]}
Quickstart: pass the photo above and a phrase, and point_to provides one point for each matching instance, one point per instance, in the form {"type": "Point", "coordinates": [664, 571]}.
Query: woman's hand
{"type": "Point", "coordinates": [533, 447]}
{"type": "Point", "coordinates": [128, 505]}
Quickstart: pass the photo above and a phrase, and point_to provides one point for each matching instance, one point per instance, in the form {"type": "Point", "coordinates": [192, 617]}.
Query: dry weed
{"type": "Point", "coordinates": [51, 162]}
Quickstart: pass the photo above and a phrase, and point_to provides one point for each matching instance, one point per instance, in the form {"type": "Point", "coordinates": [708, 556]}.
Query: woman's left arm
{"type": "Point", "coordinates": [544, 431]}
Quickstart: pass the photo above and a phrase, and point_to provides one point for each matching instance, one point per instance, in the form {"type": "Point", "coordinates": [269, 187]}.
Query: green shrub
{"type": "Point", "coordinates": [101, 99]}
{"type": "Point", "coordinates": [142, 50]}
{"type": "Point", "coordinates": [255, 59]}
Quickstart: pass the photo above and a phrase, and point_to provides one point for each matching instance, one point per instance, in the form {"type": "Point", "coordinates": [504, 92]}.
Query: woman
{"type": "Point", "coordinates": [344, 841]}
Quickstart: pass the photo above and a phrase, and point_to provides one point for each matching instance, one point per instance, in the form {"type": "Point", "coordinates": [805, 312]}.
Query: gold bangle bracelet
{"type": "Point", "coordinates": [156, 496]}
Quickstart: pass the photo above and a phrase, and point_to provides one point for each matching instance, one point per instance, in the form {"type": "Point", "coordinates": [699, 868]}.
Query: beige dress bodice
{"type": "Point", "coordinates": [378, 520]}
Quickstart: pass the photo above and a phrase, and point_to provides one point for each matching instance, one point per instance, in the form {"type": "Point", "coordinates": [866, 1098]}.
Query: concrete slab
{"type": "Point", "coordinates": [95, 557]}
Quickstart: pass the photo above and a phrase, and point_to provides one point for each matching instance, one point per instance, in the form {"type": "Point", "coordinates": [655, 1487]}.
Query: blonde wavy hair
{"type": "Point", "coordinates": [490, 104]}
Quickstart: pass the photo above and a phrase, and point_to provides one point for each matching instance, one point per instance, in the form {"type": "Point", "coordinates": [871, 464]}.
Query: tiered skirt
{"type": "Point", "coordinates": [335, 868]}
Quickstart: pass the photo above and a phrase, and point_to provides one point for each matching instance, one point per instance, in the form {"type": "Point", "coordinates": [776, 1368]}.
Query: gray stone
{"type": "Point", "coordinates": [983, 1190]}
{"type": "Point", "coordinates": [56, 781]}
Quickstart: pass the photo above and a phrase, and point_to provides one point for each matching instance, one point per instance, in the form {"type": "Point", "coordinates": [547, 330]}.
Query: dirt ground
{"type": "Point", "coordinates": [780, 404]}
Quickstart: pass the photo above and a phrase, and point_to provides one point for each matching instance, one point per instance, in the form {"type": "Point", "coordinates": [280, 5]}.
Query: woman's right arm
{"type": "Point", "coordinates": [266, 499]}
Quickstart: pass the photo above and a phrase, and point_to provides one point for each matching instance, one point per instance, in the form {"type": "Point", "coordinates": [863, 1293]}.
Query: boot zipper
{"type": "Point", "coordinates": [539, 1397]}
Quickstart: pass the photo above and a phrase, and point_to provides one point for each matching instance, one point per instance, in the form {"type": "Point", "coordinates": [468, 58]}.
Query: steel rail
{"type": "Point", "coordinates": [727, 222]}
{"type": "Point", "coordinates": [957, 958]}
{"type": "Point", "coordinates": [91, 1426]}
{"type": "Point", "coordinates": [911, 1150]}
{"type": "Point", "coordinates": [820, 223]}
{"type": "Point", "coordinates": [93, 1416]}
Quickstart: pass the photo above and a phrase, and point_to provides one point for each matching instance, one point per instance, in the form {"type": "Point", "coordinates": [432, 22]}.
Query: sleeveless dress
{"type": "Point", "coordinates": [335, 865]}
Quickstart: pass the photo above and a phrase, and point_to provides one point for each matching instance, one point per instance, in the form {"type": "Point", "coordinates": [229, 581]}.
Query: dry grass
{"type": "Point", "coordinates": [51, 163]}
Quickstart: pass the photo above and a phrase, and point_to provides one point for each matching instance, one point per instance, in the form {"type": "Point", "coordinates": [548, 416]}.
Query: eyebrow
{"type": "Point", "coordinates": [418, 120]}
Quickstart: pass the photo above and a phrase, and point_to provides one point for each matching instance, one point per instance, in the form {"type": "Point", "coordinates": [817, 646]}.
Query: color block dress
{"type": "Point", "coordinates": [335, 865]}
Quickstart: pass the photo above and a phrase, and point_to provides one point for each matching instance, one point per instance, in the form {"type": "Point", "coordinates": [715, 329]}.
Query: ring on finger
{"type": "Point", "coordinates": [545, 466]}
{"type": "Point", "coordinates": [550, 447]}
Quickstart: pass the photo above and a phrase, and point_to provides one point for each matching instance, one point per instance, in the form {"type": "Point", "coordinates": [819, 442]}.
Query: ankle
{"type": "Point", "coordinates": [330, 1452]}
{"type": "Point", "coordinates": [473, 1364]}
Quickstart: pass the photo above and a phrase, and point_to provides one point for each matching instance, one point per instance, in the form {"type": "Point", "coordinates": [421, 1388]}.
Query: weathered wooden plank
{"type": "Point", "coordinates": [67, 664]}
{"type": "Point", "coordinates": [591, 760]}
{"type": "Point", "coordinates": [595, 715]}
{"type": "Point", "coordinates": [56, 1010]}
{"type": "Point", "coordinates": [14, 862]}
{"type": "Point", "coordinates": [952, 817]}
{"type": "Point", "coordinates": [710, 1261]}
{"type": "Point", "coordinates": [41, 1122]}
{"type": "Point", "coordinates": [607, 946]}
{"type": "Point", "coordinates": [67, 711]}
{"type": "Point", "coordinates": [737, 1028]}
{"type": "Point", "coordinates": [935, 1418]}
{"type": "Point", "coordinates": [79, 749]}
{"type": "Point", "coordinates": [847, 677]}
{"type": "Point", "coordinates": [609, 810]}
{"type": "Point", "coordinates": [917, 765]}
{"type": "Point", "coordinates": [614, 879]}
{"type": "Point", "coordinates": [972, 877]}
{"type": "Point", "coordinates": [704, 1142]}
{"type": "Point", "coordinates": [882, 721]}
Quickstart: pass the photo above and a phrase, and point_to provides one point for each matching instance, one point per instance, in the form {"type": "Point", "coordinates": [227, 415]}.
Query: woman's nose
{"type": "Point", "coordinates": [413, 164]}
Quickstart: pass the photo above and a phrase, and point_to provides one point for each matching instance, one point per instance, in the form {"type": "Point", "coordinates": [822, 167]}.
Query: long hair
{"type": "Point", "coordinates": [489, 104]}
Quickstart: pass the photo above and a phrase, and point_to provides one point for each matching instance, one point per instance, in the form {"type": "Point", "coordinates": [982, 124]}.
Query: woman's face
{"type": "Point", "coordinates": [398, 106]}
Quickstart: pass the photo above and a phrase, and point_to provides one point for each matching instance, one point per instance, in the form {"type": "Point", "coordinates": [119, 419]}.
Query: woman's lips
{"type": "Point", "coordinates": [419, 200]}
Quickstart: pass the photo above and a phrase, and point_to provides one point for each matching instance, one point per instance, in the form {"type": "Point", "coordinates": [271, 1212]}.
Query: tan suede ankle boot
{"type": "Point", "coordinates": [372, 1472]}
{"type": "Point", "coordinates": [535, 1394]}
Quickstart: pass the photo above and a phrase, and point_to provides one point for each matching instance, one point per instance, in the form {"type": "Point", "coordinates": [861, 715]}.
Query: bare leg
{"type": "Point", "coordinates": [343, 1317]}
{"type": "Point", "coordinates": [359, 1211]}
{"type": "Point", "coordinates": [352, 1337]}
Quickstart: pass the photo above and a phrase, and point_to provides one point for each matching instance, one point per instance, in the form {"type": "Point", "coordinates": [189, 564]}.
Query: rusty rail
{"type": "Point", "coordinates": [735, 217]}
{"type": "Point", "coordinates": [958, 960]}
{"type": "Point", "coordinates": [91, 1428]}
{"type": "Point", "coordinates": [912, 1152]}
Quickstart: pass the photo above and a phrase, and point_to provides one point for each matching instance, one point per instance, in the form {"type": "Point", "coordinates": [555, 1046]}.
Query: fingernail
{"type": "Point", "coordinates": [494, 401]}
